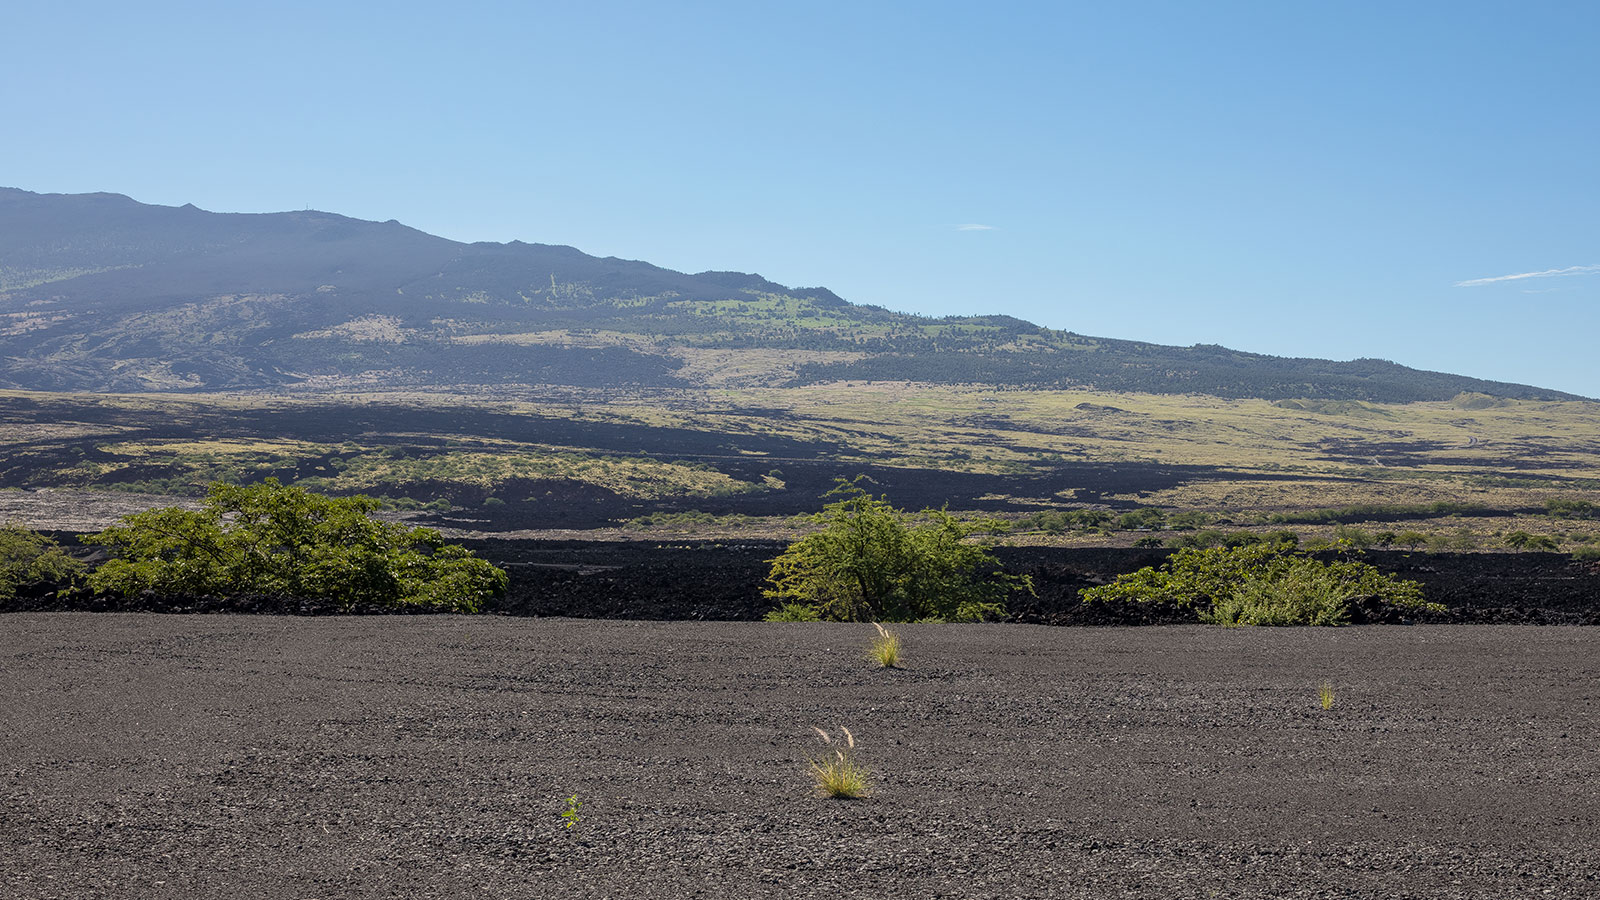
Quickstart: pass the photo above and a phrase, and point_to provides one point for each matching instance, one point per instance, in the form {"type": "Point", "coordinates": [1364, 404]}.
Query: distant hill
{"type": "Point", "coordinates": [99, 292]}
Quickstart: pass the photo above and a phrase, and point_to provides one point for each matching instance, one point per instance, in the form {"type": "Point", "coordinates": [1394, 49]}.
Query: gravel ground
{"type": "Point", "coordinates": [159, 756]}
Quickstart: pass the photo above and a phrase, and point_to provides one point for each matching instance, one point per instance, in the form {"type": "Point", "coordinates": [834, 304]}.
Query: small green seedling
{"type": "Point", "coordinates": [570, 814]}
{"type": "Point", "coordinates": [837, 774]}
{"type": "Point", "coordinates": [1325, 695]}
{"type": "Point", "coordinates": [885, 648]}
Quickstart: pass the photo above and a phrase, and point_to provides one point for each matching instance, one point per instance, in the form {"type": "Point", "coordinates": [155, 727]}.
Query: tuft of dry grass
{"type": "Point", "coordinates": [1325, 695]}
{"type": "Point", "coordinates": [836, 772]}
{"type": "Point", "coordinates": [885, 648]}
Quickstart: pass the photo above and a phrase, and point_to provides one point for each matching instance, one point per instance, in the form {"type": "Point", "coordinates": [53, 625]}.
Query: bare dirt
{"type": "Point", "coordinates": [158, 756]}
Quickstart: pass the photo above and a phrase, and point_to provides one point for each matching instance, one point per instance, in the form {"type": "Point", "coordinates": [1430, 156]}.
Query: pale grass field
{"type": "Point", "coordinates": [1263, 458]}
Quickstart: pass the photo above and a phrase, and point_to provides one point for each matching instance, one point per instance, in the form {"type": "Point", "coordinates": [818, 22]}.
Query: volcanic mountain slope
{"type": "Point", "coordinates": [100, 292]}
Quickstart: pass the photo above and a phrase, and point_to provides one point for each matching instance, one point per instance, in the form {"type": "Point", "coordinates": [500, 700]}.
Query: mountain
{"type": "Point", "coordinates": [99, 292]}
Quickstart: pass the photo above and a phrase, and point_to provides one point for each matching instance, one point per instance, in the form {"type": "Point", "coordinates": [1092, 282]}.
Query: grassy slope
{"type": "Point", "coordinates": [1258, 458]}
{"type": "Point", "coordinates": [99, 292]}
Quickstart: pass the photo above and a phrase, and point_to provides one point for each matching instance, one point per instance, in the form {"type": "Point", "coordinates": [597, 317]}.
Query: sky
{"type": "Point", "coordinates": [1412, 181]}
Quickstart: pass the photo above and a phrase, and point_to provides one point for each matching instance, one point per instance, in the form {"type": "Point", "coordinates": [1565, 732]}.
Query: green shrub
{"type": "Point", "coordinates": [794, 612]}
{"type": "Point", "coordinates": [1145, 517]}
{"type": "Point", "coordinates": [1272, 537]}
{"type": "Point", "coordinates": [29, 558]}
{"type": "Point", "coordinates": [1351, 536]}
{"type": "Point", "coordinates": [871, 562]}
{"type": "Point", "coordinates": [1206, 537]}
{"type": "Point", "coordinates": [1379, 511]}
{"type": "Point", "coordinates": [1410, 539]}
{"type": "Point", "coordinates": [1522, 540]}
{"type": "Point", "coordinates": [1460, 539]}
{"type": "Point", "coordinates": [271, 539]}
{"type": "Point", "coordinates": [1060, 521]}
{"type": "Point", "coordinates": [1215, 537]}
{"type": "Point", "coordinates": [1189, 520]}
{"type": "Point", "coordinates": [1304, 592]}
{"type": "Point", "coordinates": [1266, 584]}
{"type": "Point", "coordinates": [1571, 509]}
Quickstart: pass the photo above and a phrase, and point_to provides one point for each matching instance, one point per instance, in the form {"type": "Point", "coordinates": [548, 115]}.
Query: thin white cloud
{"type": "Point", "coordinates": [1547, 273]}
{"type": "Point", "coordinates": [974, 227]}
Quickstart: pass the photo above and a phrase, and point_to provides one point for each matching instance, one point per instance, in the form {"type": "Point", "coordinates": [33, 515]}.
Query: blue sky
{"type": "Point", "coordinates": [1333, 179]}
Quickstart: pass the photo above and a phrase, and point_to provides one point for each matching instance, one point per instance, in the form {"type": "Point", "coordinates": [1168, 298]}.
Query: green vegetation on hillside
{"type": "Point", "coordinates": [1380, 512]}
{"type": "Point", "coordinates": [1065, 467]}
{"type": "Point", "coordinates": [460, 466]}
{"type": "Point", "coordinates": [1566, 508]}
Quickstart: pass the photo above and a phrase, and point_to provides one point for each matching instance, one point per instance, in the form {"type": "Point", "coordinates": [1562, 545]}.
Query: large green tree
{"type": "Point", "coordinates": [872, 562]}
{"type": "Point", "coordinates": [271, 539]}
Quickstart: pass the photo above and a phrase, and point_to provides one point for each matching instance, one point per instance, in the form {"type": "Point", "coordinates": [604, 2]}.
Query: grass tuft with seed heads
{"type": "Point", "coordinates": [836, 772]}
{"type": "Point", "coordinates": [885, 648]}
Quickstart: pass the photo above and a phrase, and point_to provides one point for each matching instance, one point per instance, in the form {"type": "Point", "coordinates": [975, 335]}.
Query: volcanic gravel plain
{"type": "Point", "coordinates": [151, 756]}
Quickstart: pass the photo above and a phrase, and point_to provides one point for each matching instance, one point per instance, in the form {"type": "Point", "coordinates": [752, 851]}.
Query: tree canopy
{"type": "Point", "coordinates": [1261, 584]}
{"type": "Point", "coordinates": [873, 562]}
{"type": "Point", "coordinates": [28, 558]}
{"type": "Point", "coordinates": [270, 539]}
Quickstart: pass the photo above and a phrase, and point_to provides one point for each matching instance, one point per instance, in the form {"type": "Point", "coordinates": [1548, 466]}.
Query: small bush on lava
{"type": "Point", "coordinates": [794, 612]}
{"type": "Point", "coordinates": [1261, 584]}
{"type": "Point", "coordinates": [1522, 540]}
{"type": "Point", "coordinates": [871, 562]}
{"type": "Point", "coordinates": [1304, 592]}
{"type": "Point", "coordinates": [1587, 553]}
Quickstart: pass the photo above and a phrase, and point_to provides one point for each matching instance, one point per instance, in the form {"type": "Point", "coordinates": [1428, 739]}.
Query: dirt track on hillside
{"type": "Point", "coordinates": [275, 757]}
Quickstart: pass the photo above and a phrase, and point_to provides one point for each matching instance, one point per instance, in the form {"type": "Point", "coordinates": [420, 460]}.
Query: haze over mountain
{"type": "Point", "coordinates": [99, 292]}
